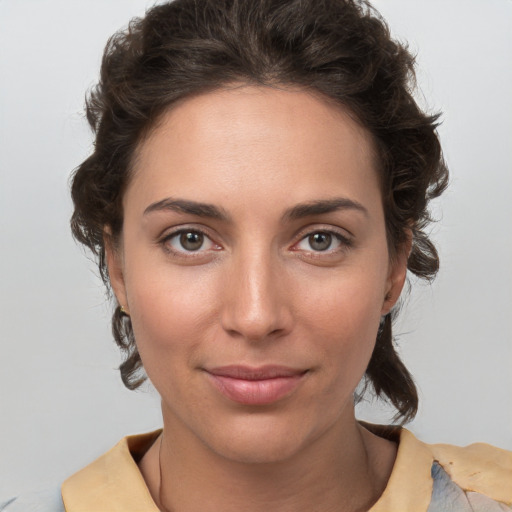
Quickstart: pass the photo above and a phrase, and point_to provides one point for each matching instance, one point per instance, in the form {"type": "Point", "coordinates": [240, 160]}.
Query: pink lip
{"type": "Point", "coordinates": [255, 386]}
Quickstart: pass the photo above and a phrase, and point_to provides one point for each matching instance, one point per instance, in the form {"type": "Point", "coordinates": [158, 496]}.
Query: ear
{"type": "Point", "coordinates": [114, 260]}
{"type": "Point", "coordinates": [397, 274]}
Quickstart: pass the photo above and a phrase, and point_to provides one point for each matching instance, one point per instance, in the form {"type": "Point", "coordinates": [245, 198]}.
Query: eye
{"type": "Point", "coordinates": [323, 241]}
{"type": "Point", "coordinates": [189, 240]}
{"type": "Point", "coordinates": [320, 241]}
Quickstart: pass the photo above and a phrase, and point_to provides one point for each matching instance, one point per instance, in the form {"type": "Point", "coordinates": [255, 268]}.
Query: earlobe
{"type": "Point", "coordinates": [397, 275]}
{"type": "Point", "coordinates": [113, 258]}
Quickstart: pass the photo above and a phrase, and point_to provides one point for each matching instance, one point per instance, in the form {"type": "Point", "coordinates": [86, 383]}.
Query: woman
{"type": "Point", "coordinates": [258, 190]}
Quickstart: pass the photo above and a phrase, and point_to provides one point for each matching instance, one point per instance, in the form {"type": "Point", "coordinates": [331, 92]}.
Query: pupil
{"type": "Point", "coordinates": [320, 241]}
{"type": "Point", "coordinates": [191, 241]}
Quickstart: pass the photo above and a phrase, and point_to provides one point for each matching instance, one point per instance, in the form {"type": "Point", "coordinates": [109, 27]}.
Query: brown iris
{"type": "Point", "coordinates": [320, 241]}
{"type": "Point", "coordinates": [191, 240]}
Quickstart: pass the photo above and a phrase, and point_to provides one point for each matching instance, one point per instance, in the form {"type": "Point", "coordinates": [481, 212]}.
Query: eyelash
{"type": "Point", "coordinates": [165, 241]}
{"type": "Point", "coordinates": [345, 242]}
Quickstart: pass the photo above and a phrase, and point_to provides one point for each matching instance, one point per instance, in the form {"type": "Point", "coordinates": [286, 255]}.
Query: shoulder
{"type": "Point", "coordinates": [447, 478]}
{"type": "Point", "coordinates": [477, 468]}
{"type": "Point", "coordinates": [49, 500]}
{"type": "Point", "coordinates": [447, 496]}
{"type": "Point", "coordinates": [113, 482]}
{"type": "Point", "coordinates": [113, 479]}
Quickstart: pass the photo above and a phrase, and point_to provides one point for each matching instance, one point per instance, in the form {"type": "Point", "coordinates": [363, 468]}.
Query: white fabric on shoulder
{"type": "Point", "coordinates": [48, 500]}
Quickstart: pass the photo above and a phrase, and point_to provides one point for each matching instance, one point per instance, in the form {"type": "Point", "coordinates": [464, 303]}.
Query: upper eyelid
{"type": "Point", "coordinates": [309, 230]}
{"type": "Point", "coordinates": [176, 230]}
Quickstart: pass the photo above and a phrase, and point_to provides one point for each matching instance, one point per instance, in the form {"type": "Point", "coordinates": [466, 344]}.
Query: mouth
{"type": "Point", "coordinates": [255, 386]}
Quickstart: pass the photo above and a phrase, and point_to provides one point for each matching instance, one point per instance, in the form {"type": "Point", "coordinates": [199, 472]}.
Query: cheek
{"type": "Point", "coordinates": [343, 316]}
{"type": "Point", "coordinates": [171, 314]}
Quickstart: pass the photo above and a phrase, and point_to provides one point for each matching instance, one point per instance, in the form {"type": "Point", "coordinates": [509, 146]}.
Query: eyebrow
{"type": "Point", "coordinates": [299, 211]}
{"type": "Point", "coordinates": [190, 207]}
{"type": "Point", "coordinates": [323, 206]}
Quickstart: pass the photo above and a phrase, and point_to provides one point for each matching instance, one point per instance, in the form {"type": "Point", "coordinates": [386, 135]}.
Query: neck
{"type": "Point", "coordinates": [345, 469]}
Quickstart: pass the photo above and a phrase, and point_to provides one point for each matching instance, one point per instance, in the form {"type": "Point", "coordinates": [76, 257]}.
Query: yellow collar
{"type": "Point", "coordinates": [410, 484]}
{"type": "Point", "coordinates": [113, 482]}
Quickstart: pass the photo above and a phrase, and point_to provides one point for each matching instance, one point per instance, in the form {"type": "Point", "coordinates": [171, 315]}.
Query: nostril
{"type": "Point", "coordinates": [263, 330]}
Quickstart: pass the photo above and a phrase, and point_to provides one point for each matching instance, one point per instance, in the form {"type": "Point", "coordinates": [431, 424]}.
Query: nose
{"type": "Point", "coordinates": [257, 301]}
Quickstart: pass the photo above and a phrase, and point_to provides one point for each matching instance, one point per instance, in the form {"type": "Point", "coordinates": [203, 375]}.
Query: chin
{"type": "Point", "coordinates": [259, 451]}
{"type": "Point", "coordinates": [260, 440]}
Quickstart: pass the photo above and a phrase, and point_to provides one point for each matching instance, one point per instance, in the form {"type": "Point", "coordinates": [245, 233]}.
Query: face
{"type": "Point", "coordinates": [255, 268]}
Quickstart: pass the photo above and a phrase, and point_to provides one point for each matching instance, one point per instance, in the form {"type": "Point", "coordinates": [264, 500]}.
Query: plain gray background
{"type": "Point", "coordinates": [62, 402]}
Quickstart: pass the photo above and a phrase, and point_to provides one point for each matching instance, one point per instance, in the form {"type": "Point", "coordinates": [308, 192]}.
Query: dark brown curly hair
{"type": "Point", "coordinates": [341, 49]}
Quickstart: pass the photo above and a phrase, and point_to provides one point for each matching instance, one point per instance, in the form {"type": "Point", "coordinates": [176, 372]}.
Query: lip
{"type": "Point", "coordinates": [255, 385]}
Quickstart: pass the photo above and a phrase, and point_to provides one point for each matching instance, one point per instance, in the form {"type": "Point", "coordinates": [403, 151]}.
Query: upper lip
{"type": "Point", "coordinates": [255, 373]}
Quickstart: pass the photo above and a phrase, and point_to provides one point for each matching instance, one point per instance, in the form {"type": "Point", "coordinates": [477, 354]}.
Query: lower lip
{"type": "Point", "coordinates": [255, 392]}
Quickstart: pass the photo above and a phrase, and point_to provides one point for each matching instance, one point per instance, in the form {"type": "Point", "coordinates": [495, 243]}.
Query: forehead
{"type": "Point", "coordinates": [240, 139]}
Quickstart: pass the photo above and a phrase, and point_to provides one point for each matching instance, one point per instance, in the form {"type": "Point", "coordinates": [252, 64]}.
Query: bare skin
{"type": "Point", "coordinates": [254, 242]}
{"type": "Point", "coordinates": [285, 487]}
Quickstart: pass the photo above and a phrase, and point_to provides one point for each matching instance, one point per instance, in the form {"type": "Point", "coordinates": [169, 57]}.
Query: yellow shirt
{"type": "Point", "coordinates": [114, 483]}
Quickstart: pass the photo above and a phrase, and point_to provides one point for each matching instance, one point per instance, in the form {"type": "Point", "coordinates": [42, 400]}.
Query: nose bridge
{"type": "Point", "coordinates": [256, 306]}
